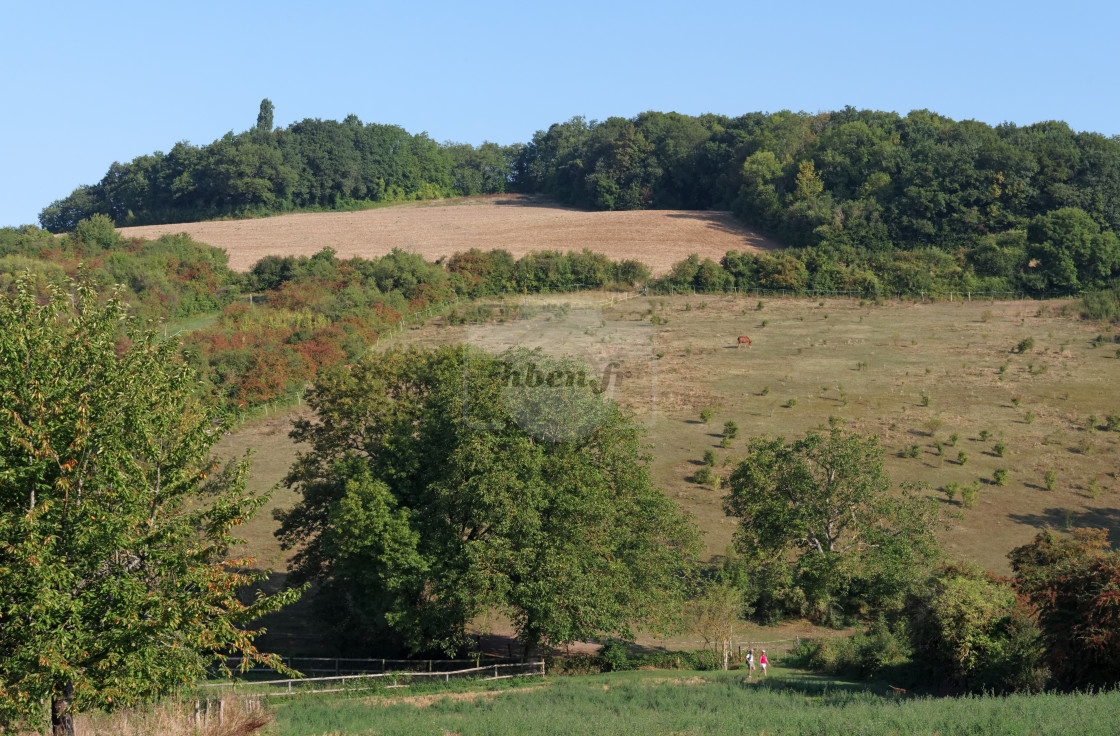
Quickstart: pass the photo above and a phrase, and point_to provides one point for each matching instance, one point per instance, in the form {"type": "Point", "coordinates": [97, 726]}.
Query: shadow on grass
{"type": "Point", "coordinates": [1056, 518]}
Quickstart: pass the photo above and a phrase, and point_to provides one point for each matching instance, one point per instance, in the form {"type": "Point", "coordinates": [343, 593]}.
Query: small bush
{"type": "Point", "coordinates": [999, 476]}
{"type": "Point", "coordinates": [704, 475]}
{"type": "Point", "coordinates": [1029, 417]}
{"type": "Point", "coordinates": [709, 458]}
{"type": "Point", "coordinates": [970, 495]}
{"type": "Point", "coordinates": [1094, 488]}
{"type": "Point", "coordinates": [953, 439]}
{"type": "Point", "coordinates": [962, 457]}
{"type": "Point", "coordinates": [725, 442]}
{"type": "Point", "coordinates": [730, 430]}
{"type": "Point", "coordinates": [614, 656]}
{"type": "Point", "coordinates": [985, 435]}
{"type": "Point", "coordinates": [925, 398]}
{"type": "Point", "coordinates": [1015, 401]}
{"type": "Point", "coordinates": [911, 451]}
{"type": "Point", "coordinates": [1000, 449]}
{"type": "Point", "coordinates": [1112, 422]}
{"type": "Point", "coordinates": [759, 307]}
{"type": "Point", "coordinates": [940, 449]}
{"type": "Point", "coordinates": [1051, 480]}
{"type": "Point", "coordinates": [790, 403]}
{"type": "Point", "coordinates": [765, 390]}
{"type": "Point", "coordinates": [1025, 345]}
{"type": "Point", "coordinates": [952, 488]}
{"type": "Point", "coordinates": [706, 414]}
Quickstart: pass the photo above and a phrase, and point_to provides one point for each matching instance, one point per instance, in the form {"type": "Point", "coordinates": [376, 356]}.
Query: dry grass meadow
{"type": "Point", "coordinates": [916, 374]}
{"type": "Point", "coordinates": [436, 229]}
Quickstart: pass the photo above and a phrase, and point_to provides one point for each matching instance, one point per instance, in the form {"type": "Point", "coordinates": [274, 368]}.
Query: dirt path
{"type": "Point", "coordinates": [440, 228]}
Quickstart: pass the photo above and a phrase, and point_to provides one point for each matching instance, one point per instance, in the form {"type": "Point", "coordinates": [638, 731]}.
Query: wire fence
{"type": "Point", "coordinates": [255, 690]}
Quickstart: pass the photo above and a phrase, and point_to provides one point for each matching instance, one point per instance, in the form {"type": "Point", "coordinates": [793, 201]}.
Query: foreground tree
{"type": "Point", "coordinates": [819, 523]}
{"type": "Point", "coordinates": [1074, 582]}
{"type": "Point", "coordinates": [114, 524]}
{"type": "Point", "coordinates": [444, 484]}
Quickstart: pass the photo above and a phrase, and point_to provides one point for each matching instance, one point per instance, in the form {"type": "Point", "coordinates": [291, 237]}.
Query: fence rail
{"type": "Point", "coordinates": [355, 665]}
{"type": "Point", "coordinates": [344, 683]}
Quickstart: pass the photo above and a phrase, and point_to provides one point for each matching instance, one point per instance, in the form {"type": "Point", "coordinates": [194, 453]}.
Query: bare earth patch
{"type": "Point", "coordinates": [437, 229]}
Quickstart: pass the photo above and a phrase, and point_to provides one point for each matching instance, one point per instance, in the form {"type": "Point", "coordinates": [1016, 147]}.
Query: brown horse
{"type": "Point", "coordinates": [744, 339]}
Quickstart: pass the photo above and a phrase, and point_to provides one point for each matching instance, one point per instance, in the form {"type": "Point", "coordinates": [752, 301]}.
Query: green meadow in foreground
{"type": "Point", "coordinates": [662, 702]}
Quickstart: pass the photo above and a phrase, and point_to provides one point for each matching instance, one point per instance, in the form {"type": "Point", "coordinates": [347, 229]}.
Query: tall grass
{"type": "Point", "coordinates": [701, 703]}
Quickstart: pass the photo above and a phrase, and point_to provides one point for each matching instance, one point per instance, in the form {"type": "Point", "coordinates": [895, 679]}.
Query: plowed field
{"type": "Point", "coordinates": [437, 229]}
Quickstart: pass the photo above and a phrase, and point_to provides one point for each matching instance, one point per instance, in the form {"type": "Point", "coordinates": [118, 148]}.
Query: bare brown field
{"type": "Point", "coordinates": [437, 229]}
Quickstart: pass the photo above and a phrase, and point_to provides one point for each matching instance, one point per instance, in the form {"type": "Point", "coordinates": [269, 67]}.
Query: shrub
{"type": "Point", "coordinates": [1029, 417]}
{"type": "Point", "coordinates": [704, 475]}
{"type": "Point", "coordinates": [952, 488]}
{"type": "Point", "coordinates": [999, 476]}
{"type": "Point", "coordinates": [1000, 449]}
{"type": "Point", "coordinates": [730, 430]}
{"type": "Point", "coordinates": [940, 449]}
{"type": "Point", "coordinates": [985, 435]}
{"type": "Point", "coordinates": [1024, 346]}
{"type": "Point", "coordinates": [953, 438]}
{"type": "Point", "coordinates": [925, 398]}
{"type": "Point", "coordinates": [614, 656]}
{"type": "Point", "coordinates": [863, 655]}
{"type": "Point", "coordinates": [1051, 480]}
{"type": "Point", "coordinates": [725, 442]}
{"type": "Point", "coordinates": [911, 451]}
{"type": "Point", "coordinates": [962, 457]}
{"type": "Point", "coordinates": [790, 403]}
{"type": "Point", "coordinates": [709, 458]}
{"type": "Point", "coordinates": [970, 495]}
{"type": "Point", "coordinates": [706, 414]}
{"type": "Point", "coordinates": [1112, 422]}
{"type": "Point", "coordinates": [765, 390]}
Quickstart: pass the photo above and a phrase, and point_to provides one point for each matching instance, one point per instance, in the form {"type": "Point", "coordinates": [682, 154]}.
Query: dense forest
{"type": "Point", "coordinates": [875, 179]}
{"type": "Point", "coordinates": [312, 164]}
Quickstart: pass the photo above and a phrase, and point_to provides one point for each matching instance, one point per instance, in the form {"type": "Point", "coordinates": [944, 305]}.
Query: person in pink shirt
{"type": "Point", "coordinates": [762, 661]}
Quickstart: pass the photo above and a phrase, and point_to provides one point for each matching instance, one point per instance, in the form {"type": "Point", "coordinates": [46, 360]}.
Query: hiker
{"type": "Point", "coordinates": [762, 661]}
{"type": "Point", "coordinates": [750, 663]}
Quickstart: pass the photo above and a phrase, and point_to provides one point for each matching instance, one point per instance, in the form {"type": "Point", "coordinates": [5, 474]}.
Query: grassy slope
{"type": "Point", "coordinates": [951, 351]}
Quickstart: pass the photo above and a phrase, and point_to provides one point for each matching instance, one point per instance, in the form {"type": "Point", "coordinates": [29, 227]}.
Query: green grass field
{"type": "Point", "coordinates": [916, 374]}
{"type": "Point", "coordinates": [680, 703]}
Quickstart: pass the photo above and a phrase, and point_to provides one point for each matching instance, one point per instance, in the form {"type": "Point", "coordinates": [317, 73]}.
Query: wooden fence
{"type": "Point", "coordinates": [255, 690]}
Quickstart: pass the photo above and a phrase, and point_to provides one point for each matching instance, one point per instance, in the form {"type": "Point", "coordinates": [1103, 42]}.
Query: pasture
{"type": "Point", "coordinates": [673, 702]}
{"type": "Point", "coordinates": [921, 375]}
{"type": "Point", "coordinates": [439, 228]}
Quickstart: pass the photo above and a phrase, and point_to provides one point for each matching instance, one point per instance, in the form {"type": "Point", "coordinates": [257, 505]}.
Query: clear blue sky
{"type": "Point", "coordinates": [86, 84]}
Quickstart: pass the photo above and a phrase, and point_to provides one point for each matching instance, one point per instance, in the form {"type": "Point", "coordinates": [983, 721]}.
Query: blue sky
{"type": "Point", "coordinates": [86, 84]}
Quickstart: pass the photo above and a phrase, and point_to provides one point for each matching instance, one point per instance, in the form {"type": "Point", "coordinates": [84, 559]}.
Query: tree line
{"type": "Point", "coordinates": [311, 164]}
{"type": "Point", "coordinates": [848, 178]}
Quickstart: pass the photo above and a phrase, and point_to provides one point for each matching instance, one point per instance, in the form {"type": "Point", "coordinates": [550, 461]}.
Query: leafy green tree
{"type": "Point", "coordinates": [1070, 251]}
{"type": "Point", "coordinates": [822, 506]}
{"type": "Point", "coordinates": [115, 585]}
{"type": "Point", "coordinates": [264, 117]}
{"type": "Point", "coordinates": [972, 633]}
{"type": "Point", "coordinates": [443, 484]}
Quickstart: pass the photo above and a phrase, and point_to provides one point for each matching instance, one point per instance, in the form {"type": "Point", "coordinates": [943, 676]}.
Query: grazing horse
{"type": "Point", "coordinates": [744, 339]}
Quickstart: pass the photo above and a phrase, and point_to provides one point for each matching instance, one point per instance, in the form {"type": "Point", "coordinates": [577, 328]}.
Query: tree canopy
{"type": "Point", "coordinates": [437, 488]}
{"type": "Point", "coordinates": [115, 525]}
{"type": "Point", "coordinates": [820, 529]}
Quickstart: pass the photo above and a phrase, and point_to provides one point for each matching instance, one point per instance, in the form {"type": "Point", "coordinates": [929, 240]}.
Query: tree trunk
{"type": "Point", "coordinates": [62, 718]}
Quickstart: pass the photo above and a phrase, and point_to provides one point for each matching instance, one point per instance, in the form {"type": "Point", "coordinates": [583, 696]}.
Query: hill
{"type": "Point", "coordinates": [437, 229]}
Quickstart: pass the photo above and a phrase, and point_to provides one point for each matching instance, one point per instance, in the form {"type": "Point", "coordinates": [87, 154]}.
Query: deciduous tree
{"type": "Point", "coordinates": [115, 584]}
{"type": "Point", "coordinates": [823, 506]}
{"type": "Point", "coordinates": [444, 484]}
